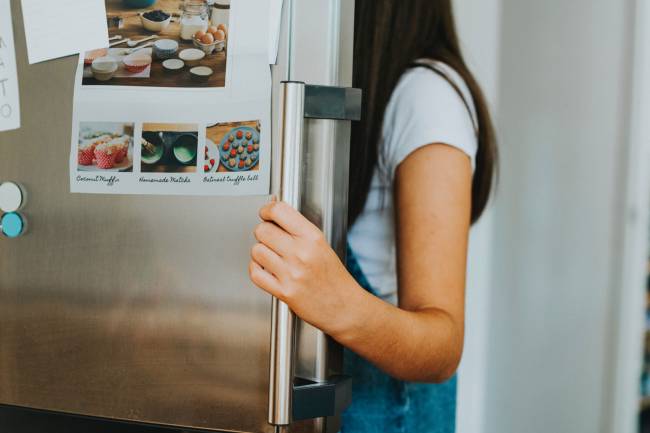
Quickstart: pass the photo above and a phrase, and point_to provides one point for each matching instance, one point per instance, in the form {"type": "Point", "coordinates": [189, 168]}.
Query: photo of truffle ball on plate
{"type": "Point", "coordinates": [233, 145]}
{"type": "Point", "coordinates": [212, 157]}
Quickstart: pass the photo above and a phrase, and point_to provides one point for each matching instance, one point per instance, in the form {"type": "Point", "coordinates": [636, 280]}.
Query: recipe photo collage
{"type": "Point", "coordinates": [115, 154]}
{"type": "Point", "coordinates": [198, 85]}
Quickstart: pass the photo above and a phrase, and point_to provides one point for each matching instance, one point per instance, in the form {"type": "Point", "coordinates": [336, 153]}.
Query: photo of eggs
{"type": "Point", "coordinates": [169, 148]}
{"type": "Point", "coordinates": [105, 147]}
{"type": "Point", "coordinates": [162, 43]}
{"type": "Point", "coordinates": [232, 147]}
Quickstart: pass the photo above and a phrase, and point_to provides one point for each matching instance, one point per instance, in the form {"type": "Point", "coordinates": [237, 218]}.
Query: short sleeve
{"type": "Point", "coordinates": [424, 109]}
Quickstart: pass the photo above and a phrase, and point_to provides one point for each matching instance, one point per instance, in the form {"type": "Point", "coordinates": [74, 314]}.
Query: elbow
{"type": "Point", "coordinates": [428, 374]}
{"type": "Point", "coordinates": [447, 366]}
{"type": "Point", "coordinates": [435, 354]}
{"type": "Point", "coordinates": [434, 371]}
{"type": "Point", "coordinates": [445, 373]}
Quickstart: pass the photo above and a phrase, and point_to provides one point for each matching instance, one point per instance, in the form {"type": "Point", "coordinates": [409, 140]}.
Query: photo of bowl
{"type": "Point", "coordinates": [173, 66]}
{"type": "Point", "coordinates": [137, 4]}
{"type": "Point", "coordinates": [151, 24]}
{"type": "Point", "coordinates": [165, 48]}
{"type": "Point", "coordinates": [211, 160]}
{"type": "Point", "coordinates": [201, 74]}
{"type": "Point", "coordinates": [185, 148]}
{"type": "Point", "coordinates": [191, 56]}
{"type": "Point", "coordinates": [169, 148]}
{"type": "Point", "coordinates": [152, 150]}
{"type": "Point", "coordinates": [93, 55]}
{"type": "Point", "coordinates": [104, 68]}
{"type": "Point", "coordinates": [137, 62]}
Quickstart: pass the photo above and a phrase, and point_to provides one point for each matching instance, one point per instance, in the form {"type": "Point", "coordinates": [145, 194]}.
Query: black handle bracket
{"type": "Point", "coordinates": [321, 399]}
{"type": "Point", "coordinates": [334, 103]}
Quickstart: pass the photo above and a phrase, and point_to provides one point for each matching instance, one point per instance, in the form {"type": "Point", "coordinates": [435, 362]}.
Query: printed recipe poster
{"type": "Point", "coordinates": [175, 43]}
{"type": "Point", "coordinates": [178, 104]}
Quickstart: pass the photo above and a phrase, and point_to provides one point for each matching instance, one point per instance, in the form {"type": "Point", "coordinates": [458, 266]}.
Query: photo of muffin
{"type": "Point", "coordinates": [86, 154]}
{"type": "Point", "coordinates": [121, 148]}
{"type": "Point", "coordinates": [105, 146]}
{"type": "Point", "coordinates": [105, 156]}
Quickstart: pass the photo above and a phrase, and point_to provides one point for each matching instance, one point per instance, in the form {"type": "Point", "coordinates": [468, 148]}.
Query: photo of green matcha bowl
{"type": "Point", "coordinates": [185, 148]}
{"type": "Point", "coordinates": [169, 148]}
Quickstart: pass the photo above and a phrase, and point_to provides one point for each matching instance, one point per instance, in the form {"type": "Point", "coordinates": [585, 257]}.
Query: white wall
{"type": "Point", "coordinates": [553, 314]}
{"type": "Point", "coordinates": [563, 108]}
{"type": "Point", "coordinates": [479, 28]}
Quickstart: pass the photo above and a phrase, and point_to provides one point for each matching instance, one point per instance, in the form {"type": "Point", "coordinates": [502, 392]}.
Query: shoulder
{"type": "Point", "coordinates": [423, 79]}
{"type": "Point", "coordinates": [426, 108]}
{"type": "Point", "coordinates": [421, 90]}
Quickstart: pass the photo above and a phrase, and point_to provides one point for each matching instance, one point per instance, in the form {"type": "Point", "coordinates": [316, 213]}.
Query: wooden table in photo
{"type": "Point", "coordinates": [217, 132]}
{"type": "Point", "coordinates": [132, 28]}
{"type": "Point", "coordinates": [171, 127]}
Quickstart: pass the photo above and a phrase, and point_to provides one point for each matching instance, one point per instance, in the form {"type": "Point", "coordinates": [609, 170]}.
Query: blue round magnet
{"type": "Point", "coordinates": [12, 225]}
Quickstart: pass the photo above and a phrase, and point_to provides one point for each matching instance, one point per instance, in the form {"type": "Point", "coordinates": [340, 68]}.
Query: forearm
{"type": "Point", "coordinates": [421, 342]}
{"type": "Point", "coordinates": [424, 345]}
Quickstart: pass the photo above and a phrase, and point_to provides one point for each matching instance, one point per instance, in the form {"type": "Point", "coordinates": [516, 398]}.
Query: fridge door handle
{"type": "Point", "coordinates": [283, 322]}
{"type": "Point", "coordinates": [312, 400]}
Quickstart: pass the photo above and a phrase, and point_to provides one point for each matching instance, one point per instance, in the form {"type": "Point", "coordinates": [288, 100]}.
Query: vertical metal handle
{"type": "Point", "coordinates": [283, 321]}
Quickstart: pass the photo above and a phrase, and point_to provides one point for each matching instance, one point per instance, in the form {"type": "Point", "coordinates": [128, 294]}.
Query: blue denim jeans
{"type": "Point", "coordinates": [382, 404]}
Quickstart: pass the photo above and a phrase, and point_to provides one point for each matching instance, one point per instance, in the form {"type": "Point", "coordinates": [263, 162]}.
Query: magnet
{"type": "Point", "coordinates": [12, 225]}
{"type": "Point", "coordinates": [11, 197]}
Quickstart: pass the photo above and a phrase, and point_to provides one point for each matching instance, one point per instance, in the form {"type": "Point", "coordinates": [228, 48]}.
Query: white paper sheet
{"type": "Point", "coordinates": [9, 99]}
{"type": "Point", "coordinates": [159, 118]}
{"type": "Point", "coordinates": [61, 28]}
{"type": "Point", "coordinates": [275, 17]}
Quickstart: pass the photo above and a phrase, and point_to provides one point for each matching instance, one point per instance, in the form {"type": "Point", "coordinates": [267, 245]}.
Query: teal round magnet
{"type": "Point", "coordinates": [12, 225]}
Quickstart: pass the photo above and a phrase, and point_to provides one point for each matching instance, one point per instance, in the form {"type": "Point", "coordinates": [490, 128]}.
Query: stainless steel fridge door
{"type": "Point", "coordinates": [124, 307]}
{"type": "Point", "coordinates": [139, 308]}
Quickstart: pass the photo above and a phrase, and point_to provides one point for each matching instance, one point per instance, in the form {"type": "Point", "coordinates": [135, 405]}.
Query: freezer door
{"type": "Point", "coordinates": [133, 308]}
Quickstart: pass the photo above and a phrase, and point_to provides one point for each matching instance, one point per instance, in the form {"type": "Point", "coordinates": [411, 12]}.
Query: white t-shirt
{"type": "Point", "coordinates": [423, 109]}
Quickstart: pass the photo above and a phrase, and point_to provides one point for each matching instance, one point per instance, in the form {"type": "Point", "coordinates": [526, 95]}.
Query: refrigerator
{"type": "Point", "coordinates": [139, 309]}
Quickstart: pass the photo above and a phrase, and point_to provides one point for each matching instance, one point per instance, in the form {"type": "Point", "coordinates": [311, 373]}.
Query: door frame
{"type": "Point", "coordinates": [628, 306]}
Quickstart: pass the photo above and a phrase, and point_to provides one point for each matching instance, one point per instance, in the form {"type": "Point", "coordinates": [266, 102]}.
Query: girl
{"type": "Point", "coordinates": [424, 160]}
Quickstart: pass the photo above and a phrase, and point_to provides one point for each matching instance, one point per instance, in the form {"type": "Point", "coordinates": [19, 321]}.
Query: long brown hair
{"type": "Point", "coordinates": [389, 36]}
